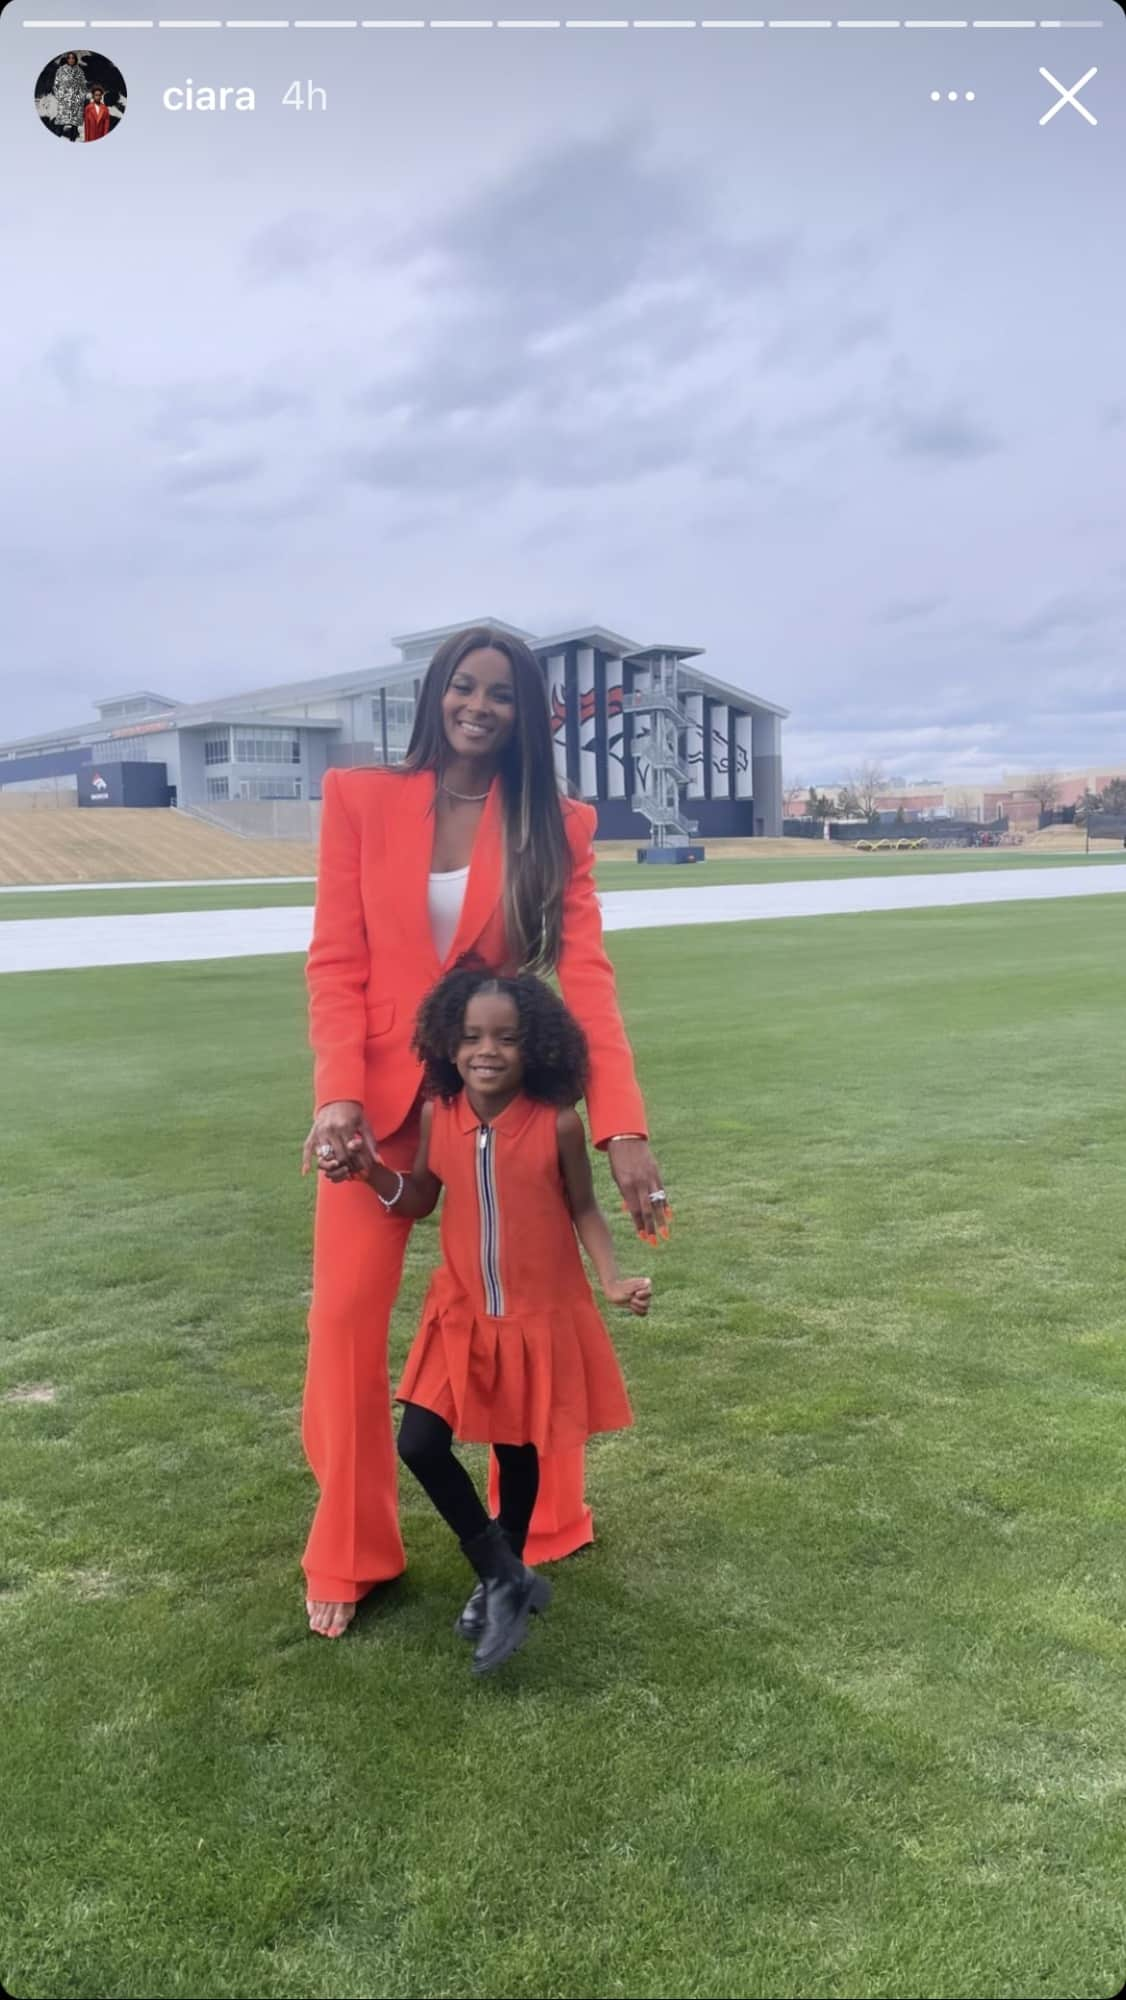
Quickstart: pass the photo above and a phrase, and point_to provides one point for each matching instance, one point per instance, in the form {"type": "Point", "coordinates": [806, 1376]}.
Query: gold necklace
{"type": "Point", "coordinates": [467, 798]}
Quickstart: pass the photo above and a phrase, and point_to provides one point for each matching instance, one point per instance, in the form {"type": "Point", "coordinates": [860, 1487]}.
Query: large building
{"type": "Point", "coordinates": [610, 718]}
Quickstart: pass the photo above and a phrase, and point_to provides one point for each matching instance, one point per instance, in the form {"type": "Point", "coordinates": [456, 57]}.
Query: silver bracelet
{"type": "Point", "coordinates": [389, 1201]}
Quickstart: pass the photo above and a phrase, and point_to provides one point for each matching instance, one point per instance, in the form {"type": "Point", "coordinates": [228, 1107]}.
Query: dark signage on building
{"type": "Point", "coordinates": [123, 785]}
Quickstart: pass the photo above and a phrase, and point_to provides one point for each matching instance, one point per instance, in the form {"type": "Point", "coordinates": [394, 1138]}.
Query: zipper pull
{"type": "Point", "coordinates": [484, 1137]}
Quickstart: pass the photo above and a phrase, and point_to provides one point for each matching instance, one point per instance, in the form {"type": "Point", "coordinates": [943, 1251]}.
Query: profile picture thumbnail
{"type": "Point", "coordinates": [80, 96]}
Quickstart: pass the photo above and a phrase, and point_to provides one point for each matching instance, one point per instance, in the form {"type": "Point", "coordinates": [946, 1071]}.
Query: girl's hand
{"type": "Point", "coordinates": [632, 1292]}
{"type": "Point", "coordinates": [334, 1170]}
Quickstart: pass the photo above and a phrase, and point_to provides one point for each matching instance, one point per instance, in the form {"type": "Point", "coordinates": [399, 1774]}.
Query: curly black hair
{"type": "Point", "coordinates": [553, 1044]}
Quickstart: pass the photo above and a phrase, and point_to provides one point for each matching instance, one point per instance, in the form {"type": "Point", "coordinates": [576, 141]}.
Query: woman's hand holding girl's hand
{"type": "Point", "coordinates": [341, 1142]}
{"type": "Point", "coordinates": [632, 1292]}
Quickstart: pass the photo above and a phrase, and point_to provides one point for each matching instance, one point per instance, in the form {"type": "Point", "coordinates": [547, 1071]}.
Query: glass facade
{"type": "Point", "coordinates": [121, 750]}
{"type": "Point", "coordinates": [268, 746]}
{"type": "Point", "coordinates": [269, 788]}
{"type": "Point", "coordinates": [117, 711]}
{"type": "Point", "coordinates": [400, 722]}
{"type": "Point", "coordinates": [218, 788]}
{"type": "Point", "coordinates": [397, 703]}
{"type": "Point", "coordinates": [217, 749]}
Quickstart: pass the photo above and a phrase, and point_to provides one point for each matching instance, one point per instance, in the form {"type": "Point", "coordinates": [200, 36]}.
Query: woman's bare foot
{"type": "Point", "coordinates": [330, 1620]}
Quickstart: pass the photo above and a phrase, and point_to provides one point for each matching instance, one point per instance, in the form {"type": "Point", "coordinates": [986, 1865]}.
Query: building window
{"type": "Point", "coordinates": [398, 710]}
{"type": "Point", "coordinates": [217, 750]}
{"type": "Point", "coordinates": [400, 721]}
{"type": "Point", "coordinates": [218, 788]}
{"type": "Point", "coordinates": [120, 750]}
{"type": "Point", "coordinates": [269, 788]}
{"type": "Point", "coordinates": [268, 746]}
{"type": "Point", "coordinates": [113, 710]}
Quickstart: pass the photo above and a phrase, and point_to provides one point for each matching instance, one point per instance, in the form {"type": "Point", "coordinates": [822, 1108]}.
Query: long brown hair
{"type": "Point", "coordinates": [537, 859]}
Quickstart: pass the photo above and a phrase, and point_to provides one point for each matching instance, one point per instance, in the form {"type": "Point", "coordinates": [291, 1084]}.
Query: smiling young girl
{"type": "Point", "coordinates": [511, 1350]}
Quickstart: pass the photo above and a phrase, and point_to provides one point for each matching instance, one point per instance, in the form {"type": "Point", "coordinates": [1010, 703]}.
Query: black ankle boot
{"type": "Point", "coordinates": [470, 1622]}
{"type": "Point", "coordinates": [510, 1593]}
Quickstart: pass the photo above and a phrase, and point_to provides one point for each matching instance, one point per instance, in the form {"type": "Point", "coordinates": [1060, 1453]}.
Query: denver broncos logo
{"type": "Point", "coordinates": [558, 712]}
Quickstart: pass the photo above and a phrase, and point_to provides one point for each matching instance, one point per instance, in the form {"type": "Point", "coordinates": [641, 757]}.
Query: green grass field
{"type": "Point", "coordinates": [837, 1706]}
{"type": "Point", "coordinates": [612, 874]}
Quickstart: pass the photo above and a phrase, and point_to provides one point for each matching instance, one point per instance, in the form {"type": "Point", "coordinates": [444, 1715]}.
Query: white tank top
{"type": "Point", "coordinates": [447, 894]}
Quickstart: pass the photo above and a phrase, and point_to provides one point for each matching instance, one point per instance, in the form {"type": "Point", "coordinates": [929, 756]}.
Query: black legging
{"type": "Point", "coordinates": [426, 1446]}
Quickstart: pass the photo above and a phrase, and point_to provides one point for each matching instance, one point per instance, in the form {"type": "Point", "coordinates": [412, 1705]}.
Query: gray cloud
{"type": "Point", "coordinates": [816, 425]}
{"type": "Point", "coordinates": [588, 323]}
{"type": "Point", "coordinates": [946, 431]}
{"type": "Point", "coordinates": [525, 441]}
{"type": "Point", "coordinates": [291, 245]}
{"type": "Point", "coordinates": [186, 410]}
{"type": "Point", "coordinates": [824, 337]}
{"type": "Point", "coordinates": [65, 360]}
{"type": "Point", "coordinates": [1062, 617]}
{"type": "Point", "coordinates": [906, 610]}
{"type": "Point", "coordinates": [574, 231]}
{"type": "Point", "coordinates": [200, 475]}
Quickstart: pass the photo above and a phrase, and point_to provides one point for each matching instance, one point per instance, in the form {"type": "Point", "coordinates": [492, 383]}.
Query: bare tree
{"type": "Point", "coordinates": [848, 804]}
{"type": "Point", "coordinates": [867, 782]}
{"type": "Point", "coordinates": [793, 791]}
{"type": "Point", "coordinates": [963, 806]}
{"type": "Point", "coordinates": [1044, 787]}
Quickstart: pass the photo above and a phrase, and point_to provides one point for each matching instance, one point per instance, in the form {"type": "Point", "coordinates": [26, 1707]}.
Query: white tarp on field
{"type": "Point", "coordinates": [43, 944]}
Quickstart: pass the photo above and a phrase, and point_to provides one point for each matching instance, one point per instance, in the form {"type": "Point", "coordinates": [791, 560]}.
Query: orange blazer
{"type": "Point", "coordinates": [372, 958]}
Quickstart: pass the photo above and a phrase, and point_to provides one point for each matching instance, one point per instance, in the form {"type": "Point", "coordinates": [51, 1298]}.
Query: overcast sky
{"type": "Point", "coordinates": [731, 339]}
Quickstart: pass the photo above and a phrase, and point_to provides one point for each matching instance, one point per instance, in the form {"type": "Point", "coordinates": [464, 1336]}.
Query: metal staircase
{"type": "Point", "coordinates": [660, 799]}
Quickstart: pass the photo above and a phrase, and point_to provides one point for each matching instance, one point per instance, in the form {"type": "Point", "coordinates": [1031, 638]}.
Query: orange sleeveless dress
{"type": "Point", "coordinates": [511, 1348]}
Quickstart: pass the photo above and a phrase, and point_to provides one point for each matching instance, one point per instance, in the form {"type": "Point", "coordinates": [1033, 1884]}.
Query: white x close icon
{"type": "Point", "coordinates": [1069, 96]}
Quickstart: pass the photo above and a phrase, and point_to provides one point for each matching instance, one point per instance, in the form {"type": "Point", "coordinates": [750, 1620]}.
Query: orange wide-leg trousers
{"type": "Point", "coordinates": [346, 1428]}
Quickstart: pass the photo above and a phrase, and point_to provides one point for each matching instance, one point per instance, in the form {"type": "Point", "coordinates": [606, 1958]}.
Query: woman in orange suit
{"type": "Point", "coordinates": [466, 847]}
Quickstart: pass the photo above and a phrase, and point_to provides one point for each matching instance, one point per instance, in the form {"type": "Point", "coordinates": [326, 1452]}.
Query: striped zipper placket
{"type": "Point", "coordinates": [489, 1211]}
